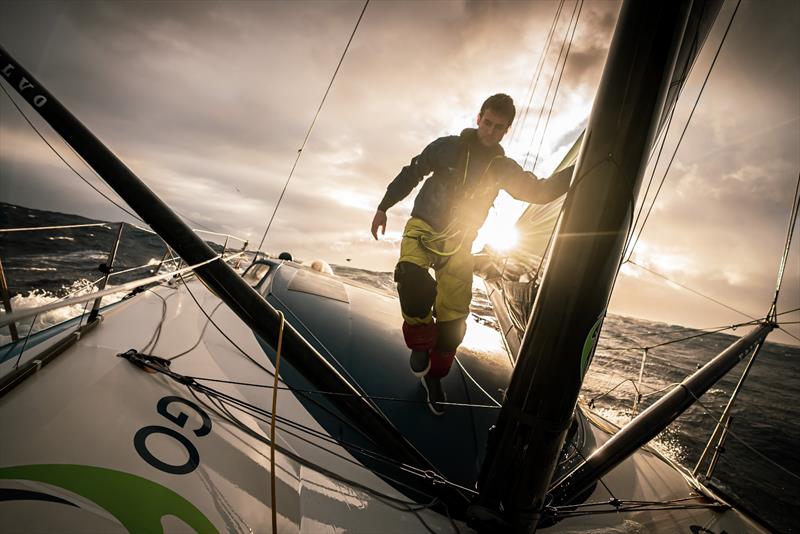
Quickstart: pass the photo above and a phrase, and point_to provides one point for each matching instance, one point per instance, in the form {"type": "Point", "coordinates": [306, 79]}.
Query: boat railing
{"type": "Point", "coordinates": [95, 290]}
{"type": "Point", "coordinates": [715, 443]}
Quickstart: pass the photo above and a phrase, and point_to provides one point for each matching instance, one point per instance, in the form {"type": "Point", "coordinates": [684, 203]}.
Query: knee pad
{"type": "Point", "coordinates": [450, 334]}
{"type": "Point", "coordinates": [417, 289]}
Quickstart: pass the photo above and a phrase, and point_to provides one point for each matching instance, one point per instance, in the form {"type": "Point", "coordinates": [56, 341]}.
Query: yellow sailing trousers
{"type": "Point", "coordinates": [449, 254]}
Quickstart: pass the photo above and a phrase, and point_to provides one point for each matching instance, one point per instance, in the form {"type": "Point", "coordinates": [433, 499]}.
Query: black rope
{"type": "Point", "coordinates": [666, 129]}
{"type": "Point", "coordinates": [35, 129]}
{"type": "Point", "coordinates": [619, 507]}
{"type": "Point", "coordinates": [318, 468]}
{"type": "Point", "coordinates": [712, 299]}
{"type": "Point", "coordinates": [151, 345]}
{"type": "Point", "coordinates": [232, 342]}
{"type": "Point", "coordinates": [263, 415]}
{"type": "Point", "coordinates": [339, 394]}
{"type": "Point", "coordinates": [200, 337]}
{"type": "Point", "coordinates": [578, 451]}
{"type": "Point", "coordinates": [558, 84]}
{"type": "Point", "coordinates": [686, 126]}
{"type": "Point", "coordinates": [78, 174]}
{"type": "Point", "coordinates": [679, 340]}
{"type": "Point", "coordinates": [518, 125]}
{"type": "Point", "coordinates": [600, 396]}
{"type": "Point", "coordinates": [310, 128]}
{"type": "Point", "coordinates": [650, 181]}
{"type": "Point", "coordinates": [787, 245]}
{"type": "Point", "coordinates": [718, 419]}
{"type": "Point", "coordinates": [550, 86]}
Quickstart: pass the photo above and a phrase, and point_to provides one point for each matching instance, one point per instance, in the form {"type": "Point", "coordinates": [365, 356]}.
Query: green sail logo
{"type": "Point", "coordinates": [137, 503]}
{"type": "Point", "coordinates": [589, 344]}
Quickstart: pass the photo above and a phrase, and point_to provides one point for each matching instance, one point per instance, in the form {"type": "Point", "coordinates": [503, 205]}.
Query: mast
{"type": "Point", "coordinates": [571, 304]}
{"type": "Point", "coordinates": [242, 299]}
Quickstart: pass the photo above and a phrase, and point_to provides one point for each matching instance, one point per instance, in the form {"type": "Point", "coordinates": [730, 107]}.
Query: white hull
{"type": "Point", "coordinates": [86, 407]}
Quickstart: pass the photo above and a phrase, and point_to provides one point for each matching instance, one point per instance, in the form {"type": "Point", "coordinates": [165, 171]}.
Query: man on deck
{"type": "Point", "coordinates": [466, 173]}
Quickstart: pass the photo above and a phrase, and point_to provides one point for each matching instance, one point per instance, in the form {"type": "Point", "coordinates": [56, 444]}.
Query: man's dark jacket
{"type": "Point", "coordinates": [466, 179]}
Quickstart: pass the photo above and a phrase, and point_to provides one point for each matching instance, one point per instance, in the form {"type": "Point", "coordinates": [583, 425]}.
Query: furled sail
{"type": "Point", "coordinates": [512, 280]}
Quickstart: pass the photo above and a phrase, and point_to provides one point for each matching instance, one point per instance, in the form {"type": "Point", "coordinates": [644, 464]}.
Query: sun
{"type": "Point", "coordinates": [498, 232]}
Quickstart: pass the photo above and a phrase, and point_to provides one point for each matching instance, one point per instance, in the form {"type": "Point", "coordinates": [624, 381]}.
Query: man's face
{"type": "Point", "coordinates": [491, 127]}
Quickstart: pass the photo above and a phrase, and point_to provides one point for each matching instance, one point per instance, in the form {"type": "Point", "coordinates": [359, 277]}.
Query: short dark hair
{"type": "Point", "coordinates": [502, 104]}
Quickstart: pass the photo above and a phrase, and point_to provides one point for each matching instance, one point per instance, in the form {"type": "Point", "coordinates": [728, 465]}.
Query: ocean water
{"type": "Point", "coordinates": [758, 468]}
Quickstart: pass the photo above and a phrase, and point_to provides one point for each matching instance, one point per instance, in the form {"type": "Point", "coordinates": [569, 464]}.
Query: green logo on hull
{"type": "Point", "coordinates": [138, 503]}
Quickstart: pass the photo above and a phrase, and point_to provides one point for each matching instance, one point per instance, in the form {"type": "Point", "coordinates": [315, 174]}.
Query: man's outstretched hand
{"type": "Point", "coordinates": [379, 221]}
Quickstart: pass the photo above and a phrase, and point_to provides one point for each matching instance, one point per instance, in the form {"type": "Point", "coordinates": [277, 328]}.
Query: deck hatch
{"type": "Point", "coordinates": [318, 284]}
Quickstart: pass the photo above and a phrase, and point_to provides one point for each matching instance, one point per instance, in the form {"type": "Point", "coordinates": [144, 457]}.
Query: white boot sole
{"type": "Point", "coordinates": [428, 394]}
{"type": "Point", "coordinates": [420, 374]}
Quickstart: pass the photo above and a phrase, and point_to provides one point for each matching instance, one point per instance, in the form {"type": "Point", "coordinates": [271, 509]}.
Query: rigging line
{"type": "Point", "coordinates": [515, 133]}
{"type": "Point", "coordinates": [549, 87]}
{"type": "Point", "coordinates": [256, 412]}
{"type": "Point", "coordinates": [717, 419]}
{"type": "Point", "coordinates": [332, 413]}
{"type": "Point", "coordinates": [78, 174]}
{"type": "Point", "coordinates": [310, 128]}
{"type": "Point", "coordinates": [790, 334]}
{"type": "Point", "coordinates": [306, 463]}
{"type": "Point", "coordinates": [272, 422]}
{"type": "Point", "coordinates": [687, 338]}
{"type": "Point", "coordinates": [199, 339]}
{"type": "Point", "coordinates": [473, 423]}
{"type": "Point", "coordinates": [621, 503]}
{"type": "Point", "coordinates": [596, 397]}
{"type": "Point", "coordinates": [261, 415]}
{"type": "Point", "coordinates": [732, 326]}
{"type": "Point", "coordinates": [312, 400]}
{"type": "Point", "coordinates": [246, 355]}
{"type": "Point", "coordinates": [600, 479]}
{"type": "Point", "coordinates": [785, 256]}
{"type": "Point", "coordinates": [59, 227]}
{"type": "Point", "coordinates": [341, 394]}
{"type": "Point", "coordinates": [24, 313]}
{"type": "Point", "coordinates": [558, 84]}
{"type": "Point", "coordinates": [649, 182]}
{"type": "Point", "coordinates": [27, 337]}
{"type": "Point", "coordinates": [637, 508]}
{"type": "Point", "coordinates": [686, 126]}
{"type": "Point", "coordinates": [690, 289]}
{"type": "Point", "coordinates": [464, 371]}
{"type": "Point", "coordinates": [665, 131]}
{"type": "Point", "coordinates": [35, 129]}
{"type": "Point", "coordinates": [430, 476]}
{"type": "Point", "coordinates": [708, 329]}
{"type": "Point", "coordinates": [157, 332]}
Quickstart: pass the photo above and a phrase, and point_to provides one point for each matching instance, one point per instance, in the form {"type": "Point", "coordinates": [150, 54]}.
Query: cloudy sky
{"type": "Point", "coordinates": [208, 102]}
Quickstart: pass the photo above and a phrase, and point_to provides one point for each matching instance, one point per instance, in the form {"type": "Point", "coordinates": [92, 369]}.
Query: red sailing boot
{"type": "Point", "coordinates": [420, 339]}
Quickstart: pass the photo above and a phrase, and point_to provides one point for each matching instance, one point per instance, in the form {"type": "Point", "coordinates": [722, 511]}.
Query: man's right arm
{"type": "Point", "coordinates": [404, 183]}
{"type": "Point", "coordinates": [411, 175]}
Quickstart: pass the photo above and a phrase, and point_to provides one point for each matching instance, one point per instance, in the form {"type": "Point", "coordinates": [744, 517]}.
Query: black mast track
{"type": "Point", "coordinates": [571, 304]}
{"type": "Point", "coordinates": [248, 305]}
